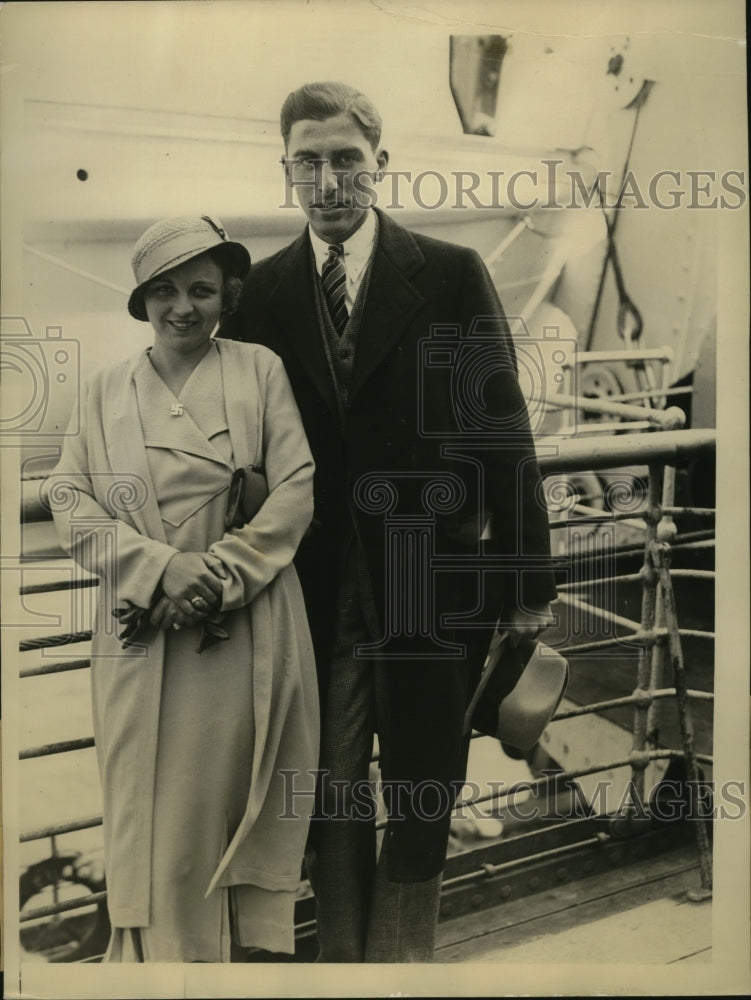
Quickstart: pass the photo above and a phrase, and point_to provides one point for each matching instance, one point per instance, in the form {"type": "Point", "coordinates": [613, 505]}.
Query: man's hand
{"type": "Point", "coordinates": [528, 623]}
{"type": "Point", "coordinates": [194, 577]}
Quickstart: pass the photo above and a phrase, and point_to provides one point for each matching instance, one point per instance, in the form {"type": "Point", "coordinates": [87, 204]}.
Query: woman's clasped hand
{"type": "Point", "coordinates": [192, 585]}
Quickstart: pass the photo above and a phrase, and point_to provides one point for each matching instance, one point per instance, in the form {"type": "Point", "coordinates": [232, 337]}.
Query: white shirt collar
{"type": "Point", "coordinates": [357, 249]}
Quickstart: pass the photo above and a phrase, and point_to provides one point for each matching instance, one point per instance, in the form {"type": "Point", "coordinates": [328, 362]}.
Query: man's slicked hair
{"type": "Point", "coordinates": [320, 101]}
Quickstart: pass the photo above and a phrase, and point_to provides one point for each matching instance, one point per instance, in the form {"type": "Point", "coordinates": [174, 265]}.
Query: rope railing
{"type": "Point", "coordinates": [57, 829]}
{"type": "Point", "coordinates": [57, 585]}
{"type": "Point", "coordinates": [58, 667]}
{"type": "Point", "coordinates": [50, 749]}
{"type": "Point", "coordinates": [638, 697]}
{"type": "Point", "coordinates": [49, 641]}
{"type": "Point", "coordinates": [671, 419]}
{"type": "Point", "coordinates": [53, 909]}
{"type": "Point", "coordinates": [661, 354]}
{"type": "Point", "coordinates": [685, 574]}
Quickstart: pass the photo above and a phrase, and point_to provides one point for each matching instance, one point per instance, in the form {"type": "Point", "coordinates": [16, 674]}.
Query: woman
{"type": "Point", "coordinates": [212, 694]}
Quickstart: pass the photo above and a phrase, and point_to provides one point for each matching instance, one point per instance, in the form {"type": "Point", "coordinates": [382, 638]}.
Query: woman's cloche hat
{"type": "Point", "coordinates": [170, 242]}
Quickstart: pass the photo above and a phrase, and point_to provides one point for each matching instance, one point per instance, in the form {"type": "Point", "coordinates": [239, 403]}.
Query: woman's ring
{"type": "Point", "coordinates": [176, 627]}
{"type": "Point", "coordinates": [198, 603]}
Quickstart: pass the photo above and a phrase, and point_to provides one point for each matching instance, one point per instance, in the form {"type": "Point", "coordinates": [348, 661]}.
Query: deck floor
{"type": "Point", "coordinates": [637, 914]}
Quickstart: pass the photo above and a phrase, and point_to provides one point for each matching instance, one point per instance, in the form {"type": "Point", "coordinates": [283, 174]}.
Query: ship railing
{"type": "Point", "coordinates": [660, 673]}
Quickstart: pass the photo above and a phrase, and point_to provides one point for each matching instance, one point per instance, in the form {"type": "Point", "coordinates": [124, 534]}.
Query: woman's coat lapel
{"type": "Point", "coordinates": [126, 449]}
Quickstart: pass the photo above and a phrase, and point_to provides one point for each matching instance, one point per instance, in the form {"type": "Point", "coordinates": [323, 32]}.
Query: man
{"type": "Point", "coordinates": [415, 454]}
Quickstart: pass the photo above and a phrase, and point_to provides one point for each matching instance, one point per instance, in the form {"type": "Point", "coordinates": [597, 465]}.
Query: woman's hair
{"type": "Point", "coordinates": [232, 284]}
{"type": "Point", "coordinates": [320, 101]}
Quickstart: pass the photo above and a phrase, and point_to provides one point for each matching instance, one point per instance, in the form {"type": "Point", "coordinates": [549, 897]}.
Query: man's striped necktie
{"type": "Point", "coordinates": [334, 281]}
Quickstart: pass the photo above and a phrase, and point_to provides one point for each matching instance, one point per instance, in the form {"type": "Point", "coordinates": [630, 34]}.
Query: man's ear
{"type": "Point", "coordinates": [382, 158]}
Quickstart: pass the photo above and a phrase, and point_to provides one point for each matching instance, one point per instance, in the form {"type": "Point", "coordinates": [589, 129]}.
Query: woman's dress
{"type": "Point", "coordinates": [206, 734]}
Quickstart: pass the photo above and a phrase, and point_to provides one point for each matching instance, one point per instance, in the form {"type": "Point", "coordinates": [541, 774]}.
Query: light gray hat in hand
{"type": "Point", "coordinates": [173, 241]}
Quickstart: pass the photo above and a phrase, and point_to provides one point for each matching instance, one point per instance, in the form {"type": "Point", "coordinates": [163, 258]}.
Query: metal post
{"type": "Point", "coordinates": [55, 883]}
{"type": "Point", "coordinates": [648, 620]}
{"type": "Point", "coordinates": [661, 559]}
{"type": "Point", "coordinates": [666, 531]}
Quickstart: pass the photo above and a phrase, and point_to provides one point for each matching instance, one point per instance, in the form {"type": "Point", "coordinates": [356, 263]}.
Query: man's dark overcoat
{"type": "Point", "coordinates": [432, 441]}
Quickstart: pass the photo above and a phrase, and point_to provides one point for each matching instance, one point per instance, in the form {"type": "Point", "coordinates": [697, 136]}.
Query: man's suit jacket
{"type": "Point", "coordinates": [434, 442]}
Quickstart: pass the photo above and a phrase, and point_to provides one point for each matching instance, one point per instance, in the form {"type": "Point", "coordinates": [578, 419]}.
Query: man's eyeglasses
{"type": "Point", "coordinates": [306, 167]}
